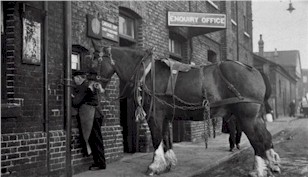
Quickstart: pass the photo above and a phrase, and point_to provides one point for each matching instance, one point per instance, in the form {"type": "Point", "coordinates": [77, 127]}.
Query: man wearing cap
{"type": "Point", "coordinates": [86, 100]}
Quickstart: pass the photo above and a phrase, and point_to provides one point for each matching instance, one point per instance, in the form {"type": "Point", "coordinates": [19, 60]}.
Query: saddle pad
{"type": "Point", "coordinates": [176, 65]}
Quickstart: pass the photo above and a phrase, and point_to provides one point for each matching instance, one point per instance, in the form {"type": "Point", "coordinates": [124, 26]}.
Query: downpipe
{"type": "Point", "coordinates": [67, 82]}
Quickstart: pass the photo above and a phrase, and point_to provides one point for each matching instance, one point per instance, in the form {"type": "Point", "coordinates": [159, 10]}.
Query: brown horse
{"type": "Point", "coordinates": [229, 87]}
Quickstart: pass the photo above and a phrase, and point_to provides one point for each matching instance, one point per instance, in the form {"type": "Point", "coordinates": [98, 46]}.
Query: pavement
{"type": "Point", "coordinates": [193, 158]}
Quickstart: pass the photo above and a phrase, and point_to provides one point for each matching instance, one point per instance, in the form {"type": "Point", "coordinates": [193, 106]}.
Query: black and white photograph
{"type": "Point", "coordinates": [137, 88]}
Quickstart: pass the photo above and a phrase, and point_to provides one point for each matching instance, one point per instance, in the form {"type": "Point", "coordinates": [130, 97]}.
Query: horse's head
{"type": "Point", "coordinates": [102, 62]}
{"type": "Point", "coordinates": [121, 60]}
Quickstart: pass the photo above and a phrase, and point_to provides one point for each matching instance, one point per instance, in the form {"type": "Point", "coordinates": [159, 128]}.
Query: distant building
{"type": "Point", "coordinates": [284, 71]}
{"type": "Point", "coordinates": [305, 82]}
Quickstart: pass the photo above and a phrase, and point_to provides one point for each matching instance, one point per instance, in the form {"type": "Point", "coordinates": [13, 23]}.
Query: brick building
{"type": "Point", "coordinates": [33, 136]}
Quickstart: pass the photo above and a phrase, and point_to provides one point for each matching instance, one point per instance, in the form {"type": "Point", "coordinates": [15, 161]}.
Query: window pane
{"type": "Point", "coordinates": [126, 26]}
{"type": "Point", "coordinates": [2, 18]}
{"type": "Point", "coordinates": [121, 25]}
{"type": "Point", "coordinates": [171, 45]}
{"type": "Point", "coordinates": [305, 79]}
{"type": "Point", "coordinates": [177, 47]}
{"type": "Point", "coordinates": [75, 61]}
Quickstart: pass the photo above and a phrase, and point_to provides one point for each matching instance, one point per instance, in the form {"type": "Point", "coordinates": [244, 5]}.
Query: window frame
{"type": "Point", "coordinates": [213, 4]}
{"type": "Point", "coordinates": [233, 12]}
{"type": "Point", "coordinates": [79, 59]}
{"type": "Point", "coordinates": [134, 26]}
{"type": "Point", "coordinates": [181, 41]}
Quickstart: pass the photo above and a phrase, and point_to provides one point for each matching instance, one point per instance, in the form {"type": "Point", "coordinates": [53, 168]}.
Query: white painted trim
{"type": "Point", "coordinates": [233, 22]}
{"type": "Point", "coordinates": [246, 34]}
{"type": "Point", "coordinates": [213, 4]}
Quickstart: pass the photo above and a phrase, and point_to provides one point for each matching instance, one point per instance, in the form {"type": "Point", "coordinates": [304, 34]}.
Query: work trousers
{"type": "Point", "coordinates": [97, 144]}
{"type": "Point", "coordinates": [235, 132]}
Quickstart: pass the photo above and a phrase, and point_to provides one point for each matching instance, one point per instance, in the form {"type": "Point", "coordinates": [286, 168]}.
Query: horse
{"type": "Point", "coordinates": [228, 87]}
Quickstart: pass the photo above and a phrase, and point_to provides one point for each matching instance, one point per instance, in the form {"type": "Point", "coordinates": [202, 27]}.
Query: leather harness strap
{"type": "Point", "coordinates": [229, 85]}
{"type": "Point", "coordinates": [233, 100]}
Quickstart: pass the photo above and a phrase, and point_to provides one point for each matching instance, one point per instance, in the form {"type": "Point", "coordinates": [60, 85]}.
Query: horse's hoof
{"type": "Point", "coordinates": [150, 172]}
{"type": "Point", "coordinates": [276, 169]}
{"type": "Point", "coordinates": [253, 174]}
{"type": "Point", "coordinates": [168, 168]}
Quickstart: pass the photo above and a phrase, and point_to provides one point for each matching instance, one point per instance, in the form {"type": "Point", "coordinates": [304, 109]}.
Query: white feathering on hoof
{"type": "Point", "coordinates": [274, 160]}
{"type": "Point", "coordinates": [170, 157]}
{"type": "Point", "coordinates": [159, 163]}
{"type": "Point", "coordinates": [260, 168]}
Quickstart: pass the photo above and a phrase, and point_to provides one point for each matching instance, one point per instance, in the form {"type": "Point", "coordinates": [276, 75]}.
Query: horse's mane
{"type": "Point", "coordinates": [133, 51]}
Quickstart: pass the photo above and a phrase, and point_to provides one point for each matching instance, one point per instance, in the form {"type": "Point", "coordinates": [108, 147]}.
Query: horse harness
{"type": "Point", "coordinates": [137, 80]}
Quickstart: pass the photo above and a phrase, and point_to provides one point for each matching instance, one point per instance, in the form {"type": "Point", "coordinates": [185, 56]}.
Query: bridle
{"type": "Point", "coordinates": [106, 53]}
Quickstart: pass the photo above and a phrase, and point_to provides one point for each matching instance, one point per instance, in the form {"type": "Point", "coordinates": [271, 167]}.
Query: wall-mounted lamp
{"type": "Point", "coordinates": [291, 8]}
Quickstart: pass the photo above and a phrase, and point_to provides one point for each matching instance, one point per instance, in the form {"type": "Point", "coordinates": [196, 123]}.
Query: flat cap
{"type": "Point", "coordinates": [79, 72]}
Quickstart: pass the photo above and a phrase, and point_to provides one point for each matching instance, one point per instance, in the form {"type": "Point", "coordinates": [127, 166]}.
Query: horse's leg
{"type": "Point", "coordinates": [167, 139]}
{"type": "Point", "coordinates": [159, 163]}
{"type": "Point", "coordinates": [266, 159]}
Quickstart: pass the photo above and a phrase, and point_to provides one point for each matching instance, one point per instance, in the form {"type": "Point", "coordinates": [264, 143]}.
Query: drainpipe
{"type": "Point", "coordinates": [190, 40]}
{"type": "Point", "coordinates": [237, 35]}
{"type": "Point", "coordinates": [46, 109]}
{"type": "Point", "coordinates": [67, 82]}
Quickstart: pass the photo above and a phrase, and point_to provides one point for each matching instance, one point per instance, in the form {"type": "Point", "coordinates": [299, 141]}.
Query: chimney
{"type": "Point", "coordinates": [261, 46]}
{"type": "Point", "coordinates": [275, 55]}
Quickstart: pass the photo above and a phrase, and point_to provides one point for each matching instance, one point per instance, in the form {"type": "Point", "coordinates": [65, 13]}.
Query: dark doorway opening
{"type": "Point", "coordinates": [212, 56]}
{"type": "Point", "coordinates": [178, 130]}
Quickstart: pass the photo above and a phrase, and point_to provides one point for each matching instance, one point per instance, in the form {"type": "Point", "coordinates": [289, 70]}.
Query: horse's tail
{"type": "Point", "coordinates": [268, 92]}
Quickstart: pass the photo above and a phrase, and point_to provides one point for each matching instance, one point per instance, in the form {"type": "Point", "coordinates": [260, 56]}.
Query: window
{"type": "Point", "coordinates": [129, 24]}
{"type": "Point", "coordinates": [80, 58]}
{"type": "Point", "coordinates": [2, 19]}
{"type": "Point", "coordinates": [233, 12]}
{"type": "Point", "coordinates": [304, 79]}
{"type": "Point", "coordinates": [126, 26]}
{"type": "Point", "coordinates": [279, 88]}
{"type": "Point", "coordinates": [212, 56]}
{"type": "Point", "coordinates": [175, 47]}
{"type": "Point", "coordinates": [213, 4]}
{"type": "Point", "coordinates": [3, 57]}
{"type": "Point", "coordinates": [178, 47]}
{"type": "Point", "coordinates": [246, 19]}
{"type": "Point", "coordinates": [75, 61]}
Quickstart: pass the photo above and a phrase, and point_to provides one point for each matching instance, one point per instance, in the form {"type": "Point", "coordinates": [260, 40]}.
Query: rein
{"type": "Point", "coordinates": [134, 75]}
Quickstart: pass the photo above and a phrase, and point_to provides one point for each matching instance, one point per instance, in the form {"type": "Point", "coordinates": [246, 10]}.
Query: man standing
{"type": "Point", "coordinates": [86, 100]}
{"type": "Point", "coordinates": [292, 108]}
{"type": "Point", "coordinates": [231, 126]}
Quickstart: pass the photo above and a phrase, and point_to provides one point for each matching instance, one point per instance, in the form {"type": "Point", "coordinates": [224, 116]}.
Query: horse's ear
{"type": "Point", "coordinates": [95, 45]}
{"type": "Point", "coordinates": [150, 50]}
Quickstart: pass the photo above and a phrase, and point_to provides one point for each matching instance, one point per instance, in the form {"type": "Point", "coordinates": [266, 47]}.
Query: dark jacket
{"type": "Point", "coordinates": [84, 95]}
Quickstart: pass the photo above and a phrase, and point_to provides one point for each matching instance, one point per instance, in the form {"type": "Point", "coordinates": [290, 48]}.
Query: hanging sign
{"type": "Point", "coordinates": [190, 19]}
{"type": "Point", "coordinates": [110, 31]}
{"type": "Point", "coordinates": [99, 29]}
